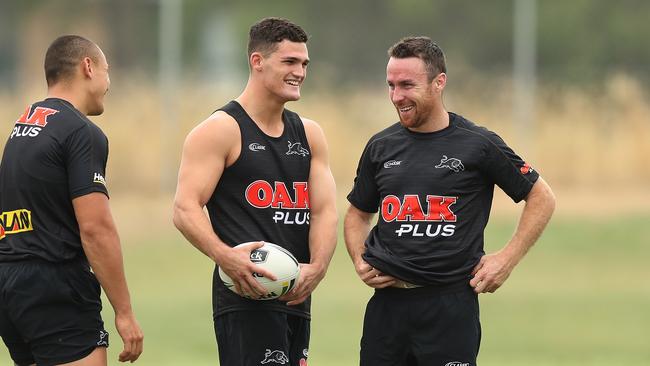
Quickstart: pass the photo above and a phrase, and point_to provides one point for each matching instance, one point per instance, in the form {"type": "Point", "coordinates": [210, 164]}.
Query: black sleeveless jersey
{"type": "Point", "coordinates": [434, 192]}
{"type": "Point", "coordinates": [53, 154]}
{"type": "Point", "coordinates": [263, 196]}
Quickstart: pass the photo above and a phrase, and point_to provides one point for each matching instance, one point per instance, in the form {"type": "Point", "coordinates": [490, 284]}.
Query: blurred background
{"type": "Point", "coordinates": [564, 83]}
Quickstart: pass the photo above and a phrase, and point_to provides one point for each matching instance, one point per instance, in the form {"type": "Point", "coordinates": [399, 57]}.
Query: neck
{"type": "Point", "coordinates": [438, 120]}
{"type": "Point", "coordinates": [263, 107]}
{"type": "Point", "coordinates": [65, 92]}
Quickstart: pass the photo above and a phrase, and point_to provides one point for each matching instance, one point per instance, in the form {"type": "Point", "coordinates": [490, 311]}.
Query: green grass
{"type": "Point", "coordinates": [580, 297]}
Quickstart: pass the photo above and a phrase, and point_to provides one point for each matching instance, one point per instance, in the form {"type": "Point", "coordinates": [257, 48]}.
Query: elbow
{"type": "Point", "coordinates": [95, 232]}
{"type": "Point", "coordinates": [178, 216]}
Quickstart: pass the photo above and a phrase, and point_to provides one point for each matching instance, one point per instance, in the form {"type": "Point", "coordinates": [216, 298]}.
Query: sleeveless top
{"type": "Point", "coordinates": [263, 196]}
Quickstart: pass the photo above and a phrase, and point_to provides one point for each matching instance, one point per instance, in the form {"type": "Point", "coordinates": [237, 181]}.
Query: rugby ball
{"type": "Point", "coordinates": [277, 260]}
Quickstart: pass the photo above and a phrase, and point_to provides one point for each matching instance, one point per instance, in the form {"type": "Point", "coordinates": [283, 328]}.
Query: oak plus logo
{"type": "Point", "coordinates": [289, 209]}
{"type": "Point", "coordinates": [256, 147]}
{"type": "Point", "coordinates": [297, 149]}
{"type": "Point", "coordinates": [418, 220]}
{"type": "Point", "coordinates": [32, 122]}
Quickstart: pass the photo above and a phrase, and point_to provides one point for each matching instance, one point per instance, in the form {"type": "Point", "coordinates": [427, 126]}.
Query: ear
{"type": "Point", "coordinates": [256, 61]}
{"type": "Point", "coordinates": [87, 67]}
{"type": "Point", "coordinates": [440, 81]}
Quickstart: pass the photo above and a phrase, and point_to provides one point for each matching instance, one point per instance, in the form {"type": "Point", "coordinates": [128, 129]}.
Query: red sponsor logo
{"type": "Point", "coordinates": [38, 116]}
{"type": "Point", "coordinates": [438, 208]}
{"type": "Point", "coordinates": [261, 194]}
{"type": "Point", "coordinates": [526, 168]}
{"type": "Point", "coordinates": [2, 230]}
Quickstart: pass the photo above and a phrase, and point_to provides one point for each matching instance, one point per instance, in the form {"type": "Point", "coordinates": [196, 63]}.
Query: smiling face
{"type": "Point", "coordinates": [283, 70]}
{"type": "Point", "coordinates": [98, 84]}
{"type": "Point", "coordinates": [415, 97]}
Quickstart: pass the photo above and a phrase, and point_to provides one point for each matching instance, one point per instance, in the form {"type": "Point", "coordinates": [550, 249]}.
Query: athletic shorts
{"type": "Point", "coordinates": [421, 326]}
{"type": "Point", "coordinates": [247, 338]}
{"type": "Point", "coordinates": [50, 312]}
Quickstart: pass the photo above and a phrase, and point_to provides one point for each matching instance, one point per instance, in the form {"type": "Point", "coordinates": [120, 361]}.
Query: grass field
{"type": "Point", "coordinates": [579, 298]}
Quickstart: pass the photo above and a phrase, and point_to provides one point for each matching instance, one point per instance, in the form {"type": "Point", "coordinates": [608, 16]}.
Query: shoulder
{"type": "Point", "coordinates": [389, 132]}
{"type": "Point", "coordinates": [219, 130]}
{"type": "Point", "coordinates": [311, 127]}
{"type": "Point", "coordinates": [65, 115]}
{"type": "Point", "coordinates": [472, 129]}
{"type": "Point", "coordinates": [315, 134]}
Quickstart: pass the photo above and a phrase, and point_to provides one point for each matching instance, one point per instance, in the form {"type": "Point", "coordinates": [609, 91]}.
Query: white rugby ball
{"type": "Point", "coordinates": [278, 261]}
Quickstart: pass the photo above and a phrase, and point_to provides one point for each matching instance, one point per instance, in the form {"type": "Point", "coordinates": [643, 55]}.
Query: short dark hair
{"type": "Point", "coordinates": [64, 54]}
{"type": "Point", "coordinates": [265, 35]}
{"type": "Point", "coordinates": [424, 49]}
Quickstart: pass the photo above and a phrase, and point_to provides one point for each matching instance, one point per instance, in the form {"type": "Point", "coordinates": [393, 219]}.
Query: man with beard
{"type": "Point", "coordinates": [432, 177]}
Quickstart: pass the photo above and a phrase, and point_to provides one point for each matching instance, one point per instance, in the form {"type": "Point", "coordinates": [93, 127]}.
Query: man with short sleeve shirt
{"type": "Point", "coordinates": [430, 178]}
{"type": "Point", "coordinates": [56, 224]}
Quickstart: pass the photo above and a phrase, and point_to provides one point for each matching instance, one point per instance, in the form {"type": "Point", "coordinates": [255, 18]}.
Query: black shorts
{"type": "Point", "coordinates": [421, 326]}
{"type": "Point", "coordinates": [49, 312]}
{"type": "Point", "coordinates": [247, 338]}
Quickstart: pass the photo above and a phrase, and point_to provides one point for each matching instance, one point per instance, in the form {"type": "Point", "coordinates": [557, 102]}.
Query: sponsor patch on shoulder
{"type": "Point", "coordinates": [526, 168]}
{"type": "Point", "coordinates": [98, 178]}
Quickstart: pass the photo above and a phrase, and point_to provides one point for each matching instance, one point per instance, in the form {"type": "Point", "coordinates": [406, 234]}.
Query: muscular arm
{"type": "Point", "coordinates": [356, 229]}
{"type": "Point", "coordinates": [206, 152]}
{"type": "Point", "coordinates": [322, 217]}
{"type": "Point", "coordinates": [101, 244]}
{"type": "Point", "coordinates": [493, 269]}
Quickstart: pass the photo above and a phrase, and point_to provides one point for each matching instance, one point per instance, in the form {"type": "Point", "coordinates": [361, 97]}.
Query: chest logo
{"type": "Point", "coordinates": [451, 163]}
{"type": "Point", "coordinates": [391, 163]}
{"type": "Point", "coordinates": [297, 149]}
{"type": "Point", "coordinates": [256, 147]}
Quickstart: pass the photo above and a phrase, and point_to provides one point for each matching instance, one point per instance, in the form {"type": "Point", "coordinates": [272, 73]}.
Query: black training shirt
{"type": "Point", "coordinates": [53, 155]}
{"type": "Point", "coordinates": [434, 192]}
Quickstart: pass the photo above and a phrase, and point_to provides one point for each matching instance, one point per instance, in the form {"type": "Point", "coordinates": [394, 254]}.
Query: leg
{"type": "Point", "coordinates": [247, 338]}
{"type": "Point", "coordinates": [299, 332]}
{"type": "Point", "coordinates": [452, 331]}
{"type": "Point", "coordinates": [385, 339]}
{"type": "Point", "coordinates": [56, 308]}
{"type": "Point", "coordinates": [19, 350]}
{"type": "Point", "coordinates": [96, 358]}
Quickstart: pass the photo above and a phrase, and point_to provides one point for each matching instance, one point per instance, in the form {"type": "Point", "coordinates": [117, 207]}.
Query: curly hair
{"type": "Point", "coordinates": [265, 35]}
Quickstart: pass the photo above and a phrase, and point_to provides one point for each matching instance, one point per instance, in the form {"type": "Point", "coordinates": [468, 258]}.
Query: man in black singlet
{"type": "Point", "coordinates": [56, 223]}
{"type": "Point", "coordinates": [262, 171]}
{"type": "Point", "coordinates": [431, 177]}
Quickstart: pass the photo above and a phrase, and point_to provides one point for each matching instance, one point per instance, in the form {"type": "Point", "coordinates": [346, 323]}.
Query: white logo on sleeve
{"type": "Point", "coordinates": [457, 363]}
{"type": "Point", "coordinates": [98, 178]}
